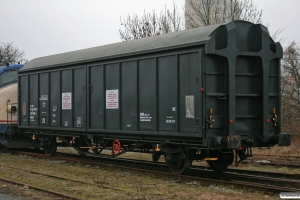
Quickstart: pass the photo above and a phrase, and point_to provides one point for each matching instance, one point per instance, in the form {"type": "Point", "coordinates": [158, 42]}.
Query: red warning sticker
{"type": "Point", "coordinates": [66, 100]}
{"type": "Point", "coordinates": [112, 99]}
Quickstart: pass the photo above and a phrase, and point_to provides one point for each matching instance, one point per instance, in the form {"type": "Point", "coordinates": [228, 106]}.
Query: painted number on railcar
{"type": "Point", "coordinates": [66, 100]}
{"type": "Point", "coordinates": [112, 99]}
{"type": "Point", "coordinates": [144, 117]}
{"type": "Point", "coordinates": [170, 120]}
{"type": "Point", "coordinates": [44, 98]}
{"type": "Point", "coordinates": [33, 113]}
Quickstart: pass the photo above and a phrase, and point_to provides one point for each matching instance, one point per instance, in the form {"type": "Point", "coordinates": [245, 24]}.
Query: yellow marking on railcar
{"type": "Point", "coordinates": [210, 158]}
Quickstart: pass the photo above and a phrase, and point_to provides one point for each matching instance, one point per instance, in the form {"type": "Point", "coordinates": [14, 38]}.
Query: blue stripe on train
{"type": "Point", "coordinates": [2, 127]}
{"type": "Point", "coordinates": [8, 84]}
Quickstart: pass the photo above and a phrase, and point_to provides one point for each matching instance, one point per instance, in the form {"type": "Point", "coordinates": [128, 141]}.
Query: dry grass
{"type": "Point", "coordinates": [277, 151]}
{"type": "Point", "coordinates": [136, 185]}
{"type": "Point", "coordinates": [22, 192]}
{"type": "Point", "coordinates": [292, 150]}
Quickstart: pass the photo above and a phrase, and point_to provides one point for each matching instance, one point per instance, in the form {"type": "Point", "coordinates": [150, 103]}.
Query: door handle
{"type": "Point", "coordinates": [197, 122]}
{"type": "Point", "coordinates": [222, 97]}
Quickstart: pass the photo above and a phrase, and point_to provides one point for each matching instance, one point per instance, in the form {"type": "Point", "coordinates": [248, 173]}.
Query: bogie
{"type": "Point", "coordinates": [50, 146]}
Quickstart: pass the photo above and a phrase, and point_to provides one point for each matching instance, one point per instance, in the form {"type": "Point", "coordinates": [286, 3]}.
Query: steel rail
{"type": "Point", "coordinates": [64, 178]}
{"type": "Point", "coordinates": [41, 189]}
{"type": "Point", "coordinates": [263, 180]}
{"type": "Point", "coordinates": [162, 167]}
{"type": "Point", "coordinates": [257, 173]}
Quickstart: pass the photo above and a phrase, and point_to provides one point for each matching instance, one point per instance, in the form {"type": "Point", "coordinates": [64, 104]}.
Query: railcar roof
{"type": "Point", "coordinates": [197, 36]}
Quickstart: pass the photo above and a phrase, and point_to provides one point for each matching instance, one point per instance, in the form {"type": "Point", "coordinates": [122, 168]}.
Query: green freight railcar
{"type": "Point", "coordinates": [198, 94]}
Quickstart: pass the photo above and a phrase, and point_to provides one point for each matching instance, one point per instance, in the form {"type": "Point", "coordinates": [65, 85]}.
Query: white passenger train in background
{"type": "Point", "coordinates": [9, 96]}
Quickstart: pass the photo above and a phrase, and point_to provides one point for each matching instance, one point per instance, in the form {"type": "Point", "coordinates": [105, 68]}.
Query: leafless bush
{"type": "Point", "coordinates": [209, 12]}
{"type": "Point", "coordinates": [151, 24]}
{"type": "Point", "coordinates": [10, 54]}
{"type": "Point", "coordinates": [290, 90]}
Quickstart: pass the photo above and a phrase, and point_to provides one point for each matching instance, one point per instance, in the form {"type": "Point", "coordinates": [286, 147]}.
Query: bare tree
{"type": "Point", "coordinates": [151, 24]}
{"type": "Point", "coordinates": [290, 88]}
{"type": "Point", "coordinates": [276, 35]}
{"type": "Point", "coordinates": [208, 12]}
{"type": "Point", "coordinates": [10, 54]}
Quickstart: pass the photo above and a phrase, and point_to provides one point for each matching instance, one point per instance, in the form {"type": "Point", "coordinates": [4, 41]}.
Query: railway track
{"type": "Point", "coordinates": [269, 180]}
{"type": "Point", "coordinates": [275, 182]}
{"type": "Point", "coordinates": [65, 196]}
{"type": "Point", "coordinates": [275, 160]}
{"type": "Point", "coordinates": [58, 195]}
{"type": "Point", "coordinates": [63, 178]}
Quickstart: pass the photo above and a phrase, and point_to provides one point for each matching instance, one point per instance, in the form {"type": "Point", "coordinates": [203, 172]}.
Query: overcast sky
{"type": "Point", "coordinates": [46, 27]}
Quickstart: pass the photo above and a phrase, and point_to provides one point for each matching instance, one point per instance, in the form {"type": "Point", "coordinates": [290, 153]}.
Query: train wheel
{"type": "Point", "coordinates": [116, 147]}
{"type": "Point", "coordinates": [177, 163]}
{"type": "Point", "coordinates": [84, 152]}
{"type": "Point", "coordinates": [51, 147]}
{"type": "Point", "coordinates": [4, 149]}
{"type": "Point", "coordinates": [156, 156]}
{"type": "Point", "coordinates": [182, 168]}
{"type": "Point", "coordinates": [219, 165]}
